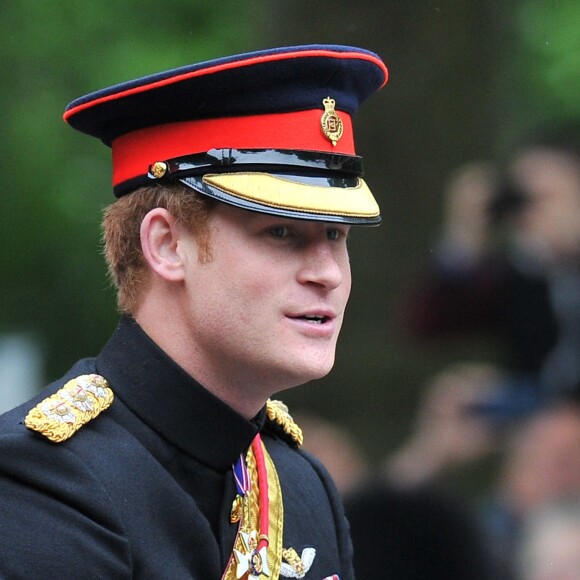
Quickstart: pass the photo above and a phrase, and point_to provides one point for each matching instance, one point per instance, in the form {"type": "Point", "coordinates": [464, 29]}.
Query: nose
{"type": "Point", "coordinates": [324, 265]}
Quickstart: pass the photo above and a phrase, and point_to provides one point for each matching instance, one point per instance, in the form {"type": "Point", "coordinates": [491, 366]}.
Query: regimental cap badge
{"type": "Point", "coordinates": [61, 415]}
{"type": "Point", "coordinates": [330, 122]}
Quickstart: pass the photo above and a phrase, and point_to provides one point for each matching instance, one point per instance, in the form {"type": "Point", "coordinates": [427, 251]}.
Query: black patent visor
{"type": "Point", "coordinates": [292, 161]}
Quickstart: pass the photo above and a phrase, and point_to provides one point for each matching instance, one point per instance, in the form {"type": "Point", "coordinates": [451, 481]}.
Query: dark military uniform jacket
{"type": "Point", "coordinates": [145, 489]}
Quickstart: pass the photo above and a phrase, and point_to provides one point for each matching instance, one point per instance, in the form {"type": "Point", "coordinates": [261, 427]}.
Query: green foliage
{"type": "Point", "coordinates": [56, 181]}
{"type": "Point", "coordinates": [549, 52]}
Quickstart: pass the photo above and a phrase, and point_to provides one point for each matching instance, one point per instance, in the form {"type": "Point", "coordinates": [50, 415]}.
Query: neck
{"type": "Point", "coordinates": [164, 326]}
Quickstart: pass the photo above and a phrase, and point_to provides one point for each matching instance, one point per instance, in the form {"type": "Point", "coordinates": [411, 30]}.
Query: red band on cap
{"type": "Point", "coordinates": [134, 152]}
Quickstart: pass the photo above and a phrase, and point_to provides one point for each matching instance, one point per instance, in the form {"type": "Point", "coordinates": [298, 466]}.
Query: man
{"type": "Point", "coordinates": [164, 457]}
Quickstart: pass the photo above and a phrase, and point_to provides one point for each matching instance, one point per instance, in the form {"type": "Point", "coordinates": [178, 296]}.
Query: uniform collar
{"type": "Point", "coordinates": [171, 402]}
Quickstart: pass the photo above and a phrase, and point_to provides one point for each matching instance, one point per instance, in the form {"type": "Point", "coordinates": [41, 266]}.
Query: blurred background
{"type": "Point", "coordinates": [468, 80]}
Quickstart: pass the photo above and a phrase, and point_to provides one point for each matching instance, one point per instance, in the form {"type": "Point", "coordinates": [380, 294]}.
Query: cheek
{"type": "Point", "coordinates": [346, 285]}
{"type": "Point", "coordinates": [246, 288]}
{"type": "Point", "coordinates": [348, 274]}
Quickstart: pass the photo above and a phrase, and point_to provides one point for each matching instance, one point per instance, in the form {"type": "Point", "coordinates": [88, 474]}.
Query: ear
{"type": "Point", "coordinates": [160, 237]}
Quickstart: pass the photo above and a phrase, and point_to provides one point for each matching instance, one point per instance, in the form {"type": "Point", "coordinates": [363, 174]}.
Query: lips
{"type": "Point", "coordinates": [315, 319]}
{"type": "Point", "coordinates": [314, 323]}
{"type": "Point", "coordinates": [318, 317]}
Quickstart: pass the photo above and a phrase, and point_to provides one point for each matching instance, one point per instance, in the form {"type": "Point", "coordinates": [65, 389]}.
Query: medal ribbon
{"type": "Point", "coordinates": [262, 513]}
{"type": "Point", "coordinates": [242, 476]}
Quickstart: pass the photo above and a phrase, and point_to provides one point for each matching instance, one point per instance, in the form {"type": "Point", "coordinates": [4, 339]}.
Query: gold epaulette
{"type": "Point", "coordinates": [61, 415]}
{"type": "Point", "coordinates": [278, 413]}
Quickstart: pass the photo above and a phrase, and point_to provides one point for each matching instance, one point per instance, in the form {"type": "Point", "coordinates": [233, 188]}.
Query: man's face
{"type": "Point", "coordinates": [265, 312]}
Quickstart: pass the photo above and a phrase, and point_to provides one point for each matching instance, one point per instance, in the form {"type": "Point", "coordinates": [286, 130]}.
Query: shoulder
{"type": "Point", "coordinates": [27, 435]}
{"type": "Point", "coordinates": [13, 420]}
{"type": "Point", "coordinates": [34, 435]}
{"type": "Point", "coordinates": [313, 512]}
{"type": "Point", "coordinates": [60, 415]}
{"type": "Point", "coordinates": [281, 423]}
{"type": "Point", "coordinates": [298, 469]}
{"type": "Point", "coordinates": [49, 490]}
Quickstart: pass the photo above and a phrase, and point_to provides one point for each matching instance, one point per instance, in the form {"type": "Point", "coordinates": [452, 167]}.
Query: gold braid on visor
{"type": "Point", "coordinates": [308, 185]}
{"type": "Point", "coordinates": [284, 193]}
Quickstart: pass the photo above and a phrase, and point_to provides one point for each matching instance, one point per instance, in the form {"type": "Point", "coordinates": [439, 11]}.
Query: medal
{"type": "Point", "coordinates": [257, 509]}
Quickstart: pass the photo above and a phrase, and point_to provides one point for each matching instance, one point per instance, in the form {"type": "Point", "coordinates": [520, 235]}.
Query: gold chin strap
{"type": "Point", "coordinates": [257, 552]}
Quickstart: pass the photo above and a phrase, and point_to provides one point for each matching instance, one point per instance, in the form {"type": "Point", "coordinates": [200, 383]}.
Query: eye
{"type": "Point", "coordinates": [334, 234]}
{"type": "Point", "coordinates": [279, 231]}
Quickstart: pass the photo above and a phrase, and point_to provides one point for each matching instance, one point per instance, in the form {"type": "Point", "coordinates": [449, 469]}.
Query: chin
{"type": "Point", "coordinates": [287, 371]}
{"type": "Point", "coordinates": [316, 371]}
{"type": "Point", "coordinates": [296, 377]}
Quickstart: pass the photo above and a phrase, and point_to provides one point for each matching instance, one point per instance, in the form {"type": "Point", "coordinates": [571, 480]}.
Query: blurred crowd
{"type": "Point", "coordinates": [407, 524]}
{"type": "Point", "coordinates": [507, 265]}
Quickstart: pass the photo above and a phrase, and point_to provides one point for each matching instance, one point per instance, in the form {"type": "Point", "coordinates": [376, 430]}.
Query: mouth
{"type": "Point", "coordinates": [315, 319]}
{"type": "Point", "coordinates": [315, 323]}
